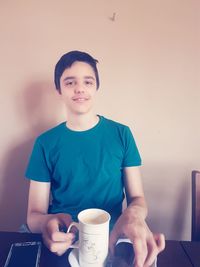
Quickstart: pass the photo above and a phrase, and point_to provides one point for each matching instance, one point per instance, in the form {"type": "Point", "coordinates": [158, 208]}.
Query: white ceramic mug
{"type": "Point", "coordinates": [93, 241]}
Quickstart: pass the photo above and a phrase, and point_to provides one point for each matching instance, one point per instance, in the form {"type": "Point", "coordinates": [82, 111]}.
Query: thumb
{"type": "Point", "coordinates": [67, 219]}
{"type": "Point", "coordinates": [64, 217]}
{"type": "Point", "coordinates": [160, 241]}
{"type": "Point", "coordinates": [113, 240]}
{"type": "Point", "coordinates": [64, 220]}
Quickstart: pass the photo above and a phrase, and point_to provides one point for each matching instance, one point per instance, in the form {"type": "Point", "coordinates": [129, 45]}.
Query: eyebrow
{"type": "Point", "coordinates": [89, 77]}
{"type": "Point", "coordinates": [73, 77]}
{"type": "Point", "coordinates": [69, 78]}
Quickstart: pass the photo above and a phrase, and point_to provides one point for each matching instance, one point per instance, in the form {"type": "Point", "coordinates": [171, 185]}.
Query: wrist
{"type": "Point", "coordinates": [135, 212]}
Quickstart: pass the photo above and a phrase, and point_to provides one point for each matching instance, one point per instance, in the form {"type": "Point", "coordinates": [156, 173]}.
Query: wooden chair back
{"type": "Point", "coordinates": [195, 234]}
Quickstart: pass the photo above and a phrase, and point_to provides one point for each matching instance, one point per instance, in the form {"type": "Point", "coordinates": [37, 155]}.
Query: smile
{"type": "Point", "coordinates": [80, 99]}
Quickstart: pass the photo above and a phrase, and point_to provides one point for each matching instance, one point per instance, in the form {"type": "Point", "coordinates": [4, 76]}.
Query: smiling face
{"type": "Point", "coordinates": [78, 88]}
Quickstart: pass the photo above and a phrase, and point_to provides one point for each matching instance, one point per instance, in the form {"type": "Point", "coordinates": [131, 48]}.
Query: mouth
{"type": "Point", "coordinates": [80, 99]}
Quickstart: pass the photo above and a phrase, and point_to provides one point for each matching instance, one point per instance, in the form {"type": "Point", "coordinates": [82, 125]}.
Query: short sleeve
{"type": "Point", "coordinates": [131, 153]}
{"type": "Point", "coordinates": [37, 168]}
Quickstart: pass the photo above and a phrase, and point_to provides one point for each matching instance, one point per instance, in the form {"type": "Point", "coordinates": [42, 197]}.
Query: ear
{"type": "Point", "coordinates": [59, 95]}
{"type": "Point", "coordinates": [59, 92]}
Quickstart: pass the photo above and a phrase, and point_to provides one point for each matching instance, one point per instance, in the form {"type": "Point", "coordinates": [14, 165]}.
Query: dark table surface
{"type": "Point", "coordinates": [176, 253]}
{"type": "Point", "coordinates": [180, 254]}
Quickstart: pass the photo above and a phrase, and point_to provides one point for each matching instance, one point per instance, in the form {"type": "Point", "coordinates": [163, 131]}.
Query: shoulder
{"type": "Point", "coordinates": [116, 126]}
{"type": "Point", "coordinates": [51, 134]}
{"type": "Point", "coordinates": [118, 129]}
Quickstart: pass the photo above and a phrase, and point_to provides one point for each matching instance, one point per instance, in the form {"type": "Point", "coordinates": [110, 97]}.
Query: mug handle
{"type": "Point", "coordinates": [75, 245]}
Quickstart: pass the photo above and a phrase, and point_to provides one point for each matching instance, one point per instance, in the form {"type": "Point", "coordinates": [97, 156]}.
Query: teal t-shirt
{"type": "Point", "coordinates": [84, 167]}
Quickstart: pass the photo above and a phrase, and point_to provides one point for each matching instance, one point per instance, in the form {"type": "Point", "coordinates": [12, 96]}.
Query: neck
{"type": "Point", "coordinates": [82, 122]}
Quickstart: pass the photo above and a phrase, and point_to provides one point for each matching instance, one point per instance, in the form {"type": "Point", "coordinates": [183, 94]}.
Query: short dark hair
{"type": "Point", "coordinates": [68, 59]}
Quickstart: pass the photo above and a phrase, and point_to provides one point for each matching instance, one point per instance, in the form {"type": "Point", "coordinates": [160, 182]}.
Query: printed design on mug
{"type": "Point", "coordinates": [89, 247]}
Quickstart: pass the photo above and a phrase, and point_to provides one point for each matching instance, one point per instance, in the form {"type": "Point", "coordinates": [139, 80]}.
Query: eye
{"type": "Point", "coordinates": [89, 82]}
{"type": "Point", "coordinates": [69, 83]}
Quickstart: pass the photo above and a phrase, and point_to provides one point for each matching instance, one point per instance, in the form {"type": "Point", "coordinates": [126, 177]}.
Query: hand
{"type": "Point", "coordinates": [56, 241]}
{"type": "Point", "coordinates": [146, 244]}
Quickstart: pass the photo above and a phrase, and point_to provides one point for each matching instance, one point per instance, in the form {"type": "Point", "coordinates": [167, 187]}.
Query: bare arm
{"type": "Point", "coordinates": [39, 221]}
{"type": "Point", "coordinates": [132, 222]}
{"type": "Point", "coordinates": [38, 203]}
{"type": "Point", "coordinates": [134, 192]}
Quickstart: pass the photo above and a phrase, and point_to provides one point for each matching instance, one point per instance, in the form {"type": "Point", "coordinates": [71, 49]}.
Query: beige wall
{"type": "Point", "coordinates": [149, 64]}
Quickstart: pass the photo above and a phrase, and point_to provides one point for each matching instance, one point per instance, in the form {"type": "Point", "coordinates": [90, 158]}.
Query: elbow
{"type": "Point", "coordinates": [28, 221]}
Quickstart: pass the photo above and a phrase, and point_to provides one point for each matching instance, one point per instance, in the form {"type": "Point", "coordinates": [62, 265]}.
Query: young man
{"type": "Point", "coordinates": [87, 162]}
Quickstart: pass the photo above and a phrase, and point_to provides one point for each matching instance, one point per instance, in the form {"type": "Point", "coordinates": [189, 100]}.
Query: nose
{"type": "Point", "coordinates": [79, 88]}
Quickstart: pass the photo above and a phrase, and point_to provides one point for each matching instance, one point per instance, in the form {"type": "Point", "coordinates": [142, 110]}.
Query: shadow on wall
{"type": "Point", "coordinates": [181, 207]}
{"type": "Point", "coordinates": [170, 205]}
{"type": "Point", "coordinates": [37, 109]}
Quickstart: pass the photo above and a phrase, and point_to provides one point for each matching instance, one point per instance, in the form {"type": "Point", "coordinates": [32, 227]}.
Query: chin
{"type": "Point", "coordinates": [83, 111]}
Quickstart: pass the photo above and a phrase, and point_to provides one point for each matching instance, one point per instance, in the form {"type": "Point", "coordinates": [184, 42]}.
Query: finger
{"type": "Point", "coordinates": [155, 245]}
{"type": "Point", "coordinates": [65, 219]}
{"type": "Point", "coordinates": [160, 241]}
{"type": "Point", "coordinates": [58, 247]}
{"type": "Point", "coordinates": [152, 252]}
{"type": "Point", "coordinates": [62, 237]}
{"type": "Point", "coordinates": [113, 240]}
{"type": "Point", "coordinates": [52, 230]}
{"type": "Point", "coordinates": [53, 225]}
{"type": "Point", "coordinates": [140, 250]}
{"type": "Point", "coordinates": [73, 229]}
